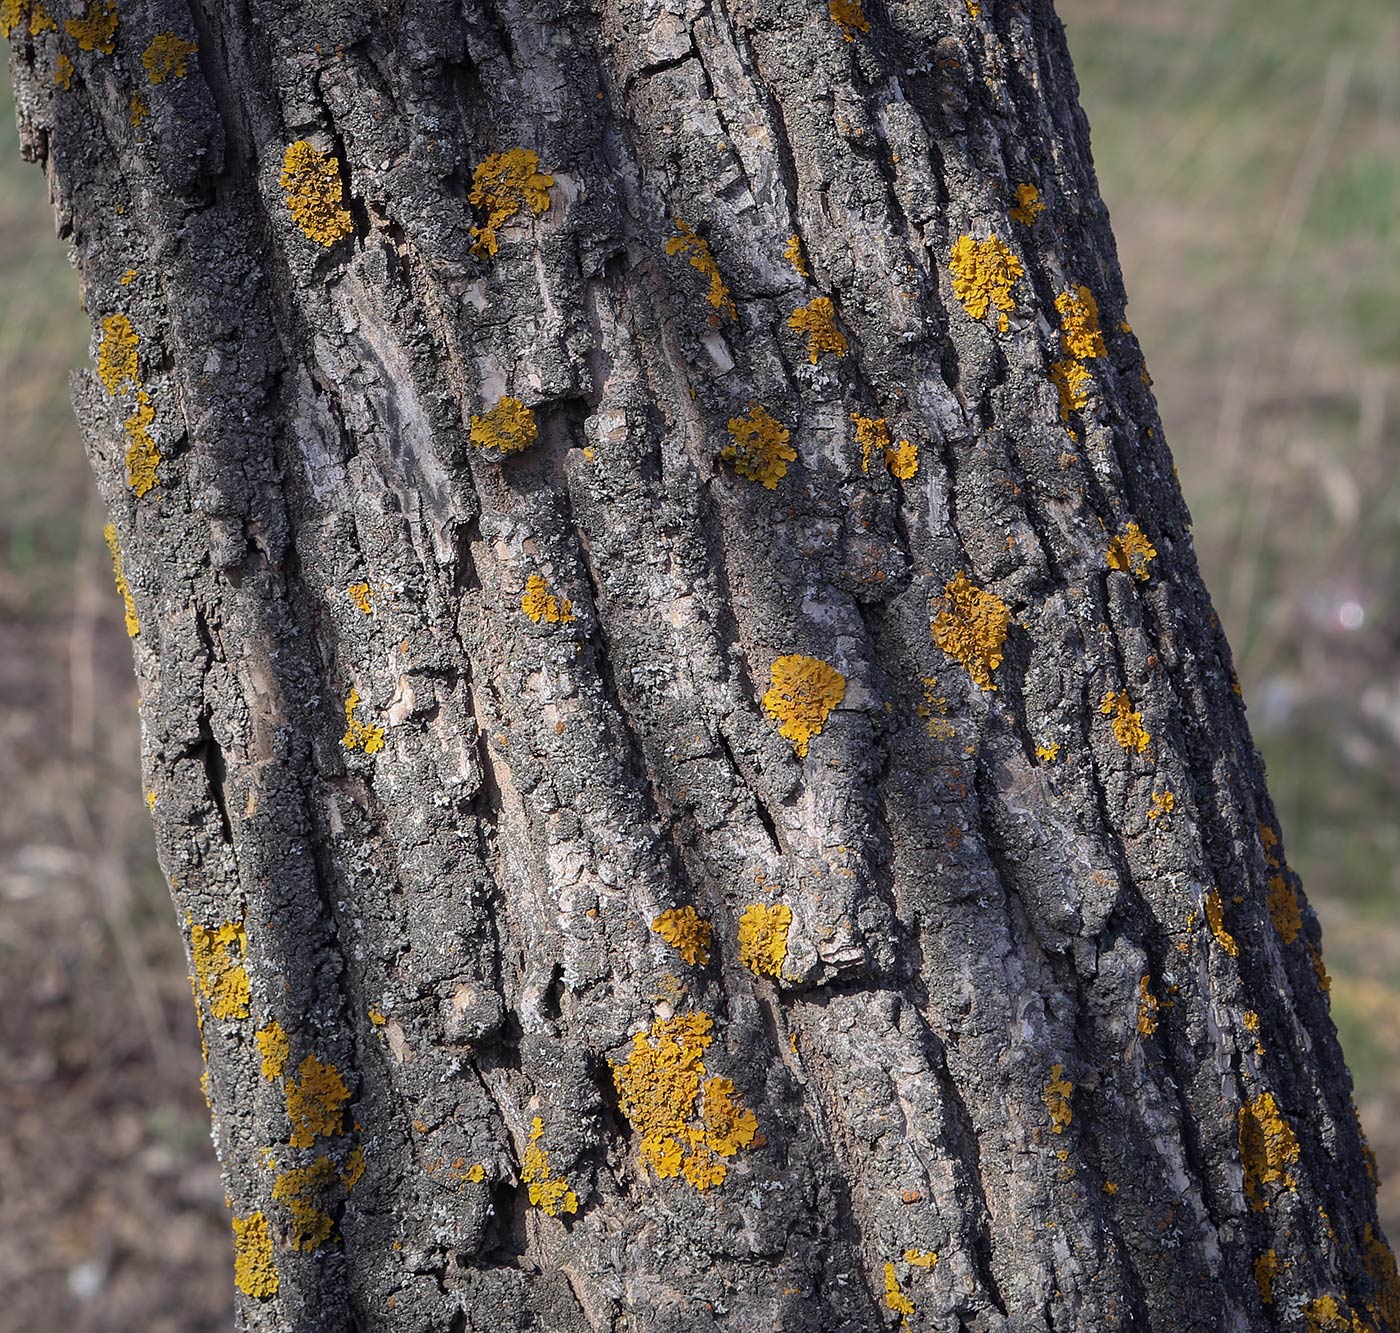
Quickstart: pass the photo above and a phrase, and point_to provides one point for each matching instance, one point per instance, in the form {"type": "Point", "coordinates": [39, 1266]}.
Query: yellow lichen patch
{"type": "Point", "coordinates": [129, 277]}
{"type": "Point", "coordinates": [760, 451]}
{"type": "Point", "coordinates": [1268, 1147]}
{"type": "Point", "coordinates": [849, 16]}
{"type": "Point", "coordinates": [763, 932]}
{"type": "Point", "coordinates": [1029, 205]}
{"type": "Point", "coordinates": [97, 29]}
{"type": "Point", "coordinates": [166, 57]}
{"type": "Point", "coordinates": [1047, 754]}
{"type": "Point", "coordinates": [920, 1258]}
{"type": "Point", "coordinates": [547, 1192]}
{"type": "Point", "coordinates": [1215, 919]}
{"type": "Point", "coordinates": [510, 426]}
{"type": "Point", "coordinates": [792, 252]}
{"type": "Point", "coordinates": [1110, 1187]}
{"type": "Point", "coordinates": [117, 364]}
{"type": "Point", "coordinates": [1320, 968]}
{"type": "Point", "coordinates": [1148, 1007]}
{"type": "Point", "coordinates": [1079, 324]}
{"type": "Point", "coordinates": [360, 595]}
{"type": "Point", "coordinates": [802, 694]}
{"type": "Point", "coordinates": [973, 8]}
{"type": "Point", "coordinates": [1163, 803]}
{"type": "Point", "coordinates": [360, 735]}
{"type": "Point", "coordinates": [302, 1190]}
{"type": "Point", "coordinates": [983, 275]}
{"type": "Point", "coordinates": [971, 628]}
{"type": "Point", "coordinates": [1268, 839]}
{"type": "Point", "coordinates": [934, 711]}
{"type": "Point", "coordinates": [688, 933]}
{"type": "Point", "coordinates": [13, 13]}
{"type": "Point", "coordinates": [316, 1100]}
{"type": "Point", "coordinates": [1072, 382]}
{"type": "Point", "coordinates": [1132, 552]}
{"type": "Point", "coordinates": [817, 319]}
{"type": "Point", "coordinates": [688, 242]}
{"type": "Point", "coordinates": [254, 1272]}
{"type": "Point", "coordinates": [1057, 1092]}
{"type": "Point", "coordinates": [354, 1168]}
{"type": "Point", "coordinates": [376, 1017]}
{"type": "Point", "coordinates": [1266, 1269]}
{"type": "Point", "coordinates": [689, 1123]}
{"type": "Point", "coordinates": [40, 20]}
{"type": "Point", "coordinates": [137, 111]}
{"type": "Point", "coordinates": [1380, 1268]}
{"type": "Point", "coordinates": [903, 460]}
{"type": "Point", "coordinates": [475, 1173]}
{"type": "Point", "coordinates": [63, 72]}
{"type": "Point", "coordinates": [133, 621]}
{"type": "Point", "coordinates": [1327, 1315]}
{"type": "Point", "coordinates": [542, 605]}
{"type": "Point", "coordinates": [895, 1299]}
{"type": "Point", "coordinates": [873, 436]}
{"type": "Point", "coordinates": [143, 457]}
{"type": "Point", "coordinates": [502, 184]}
{"type": "Point", "coordinates": [275, 1049]}
{"type": "Point", "coordinates": [218, 953]}
{"type": "Point", "coordinates": [315, 194]}
{"type": "Point", "coordinates": [1283, 908]}
{"type": "Point", "coordinates": [1128, 730]}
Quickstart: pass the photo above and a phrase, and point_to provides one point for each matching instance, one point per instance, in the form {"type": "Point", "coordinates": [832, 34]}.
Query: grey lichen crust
{"type": "Point", "coordinates": [461, 588]}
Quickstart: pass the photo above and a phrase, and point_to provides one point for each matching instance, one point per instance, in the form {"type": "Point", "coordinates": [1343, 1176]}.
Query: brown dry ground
{"type": "Point", "coordinates": [1251, 156]}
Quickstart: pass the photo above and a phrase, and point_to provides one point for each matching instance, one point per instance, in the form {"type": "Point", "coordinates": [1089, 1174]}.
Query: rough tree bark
{"type": "Point", "coordinates": [701, 780]}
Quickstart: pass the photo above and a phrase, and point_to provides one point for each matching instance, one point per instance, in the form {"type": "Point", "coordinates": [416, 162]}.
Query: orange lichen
{"type": "Point", "coordinates": [475, 1173]}
{"type": "Point", "coordinates": [1128, 730]}
{"type": "Point", "coordinates": [1163, 803]}
{"type": "Point", "coordinates": [689, 1124]}
{"type": "Point", "coordinates": [542, 605]}
{"type": "Point", "coordinates": [254, 1272]}
{"type": "Point", "coordinates": [1029, 205]}
{"type": "Point", "coordinates": [801, 696]}
{"type": "Point", "coordinates": [1072, 382]}
{"type": "Point", "coordinates": [934, 711]}
{"type": "Point", "coordinates": [1079, 324]}
{"type": "Point", "coordinates": [1283, 908]}
{"type": "Point", "coordinates": [1326, 1314]}
{"type": "Point", "coordinates": [1215, 919]}
{"type": "Point", "coordinates": [688, 933]}
{"type": "Point", "coordinates": [1268, 1147]}
{"type": "Point", "coordinates": [817, 319]}
{"type": "Point", "coordinates": [166, 57]}
{"type": "Point", "coordinates": [895, 1299]}
{"type": "Point", "coordinates": [302, 1190]}
{"type": "Point", "coordinates": [360, 735]}
{"type": "Point", "coordinates": [1266, 1269]}
{"type": "Point", "coordinates": [354, 1168]}
{"type": "Point", "coordinates": [1132, 552]}
{"type": "Point", "coordinates": [97, 29]}
{"type": "Point", "coordinates": [117, 361]}
{"type": "Point", "coordinates": [63, 72]}
{"type": "Point", "coordinates": [547, 1191]}
{"type": "Point", "coordinates": [1147, 1008]}
{"type": "Point", "coordinates": [1057, 1092]}
{"type": "Point", "coordinates": [690, 243]}
{"type": "Point", "coordinates": [129, 277]}
{"type": "Point", "coordinates": [971, 628]}
{"type": "Point", "coordinates": [137, 111]}
{"type": "Point", "coordinates": [14, 12]}
{"type": "Point", "coordinates": [510, 426]}
{"type": "Point", "coordinates": [275, 1049]}
{"type": "Point", "coordinates": [316, 1101]}
{"type": "Point", "coordinates": [502, 184]}
{"type": "Point", "coordinates": [360, 595]}
{"type": "Point", "coordinates": [763, 933]}
{"type": "Point", "coordinates": [983, 275]}
{"type": "Point", "coordinates": [903, 460]}
{"type": "Point", "coordinates": [973, 8]}
{"type": "Point", "coordinates": [760, 451]}
{"type": "Point", "coordinates": [143, 457]}
{"type": "Point", "coordinates": [1047, 754]}
{"type": "Point", "coordinates": [873, 435]}
{"type": "Point", "coordinates": [849, 16]}
{"type": "Point", "coordinates": [133, 621]}
{"type": "Point", "coordinates": [1380, 1268]}
{"type": "Point", "coordinates": [315, 193]}
{"type": "Point", "coordinates": [920, 1258]}
{"type": "Point", "coordinates": [1320, 968]}
{"type": "Point", "coordinates": [218, 953]}
{"type": "Point", "coordinates": [792, 252]}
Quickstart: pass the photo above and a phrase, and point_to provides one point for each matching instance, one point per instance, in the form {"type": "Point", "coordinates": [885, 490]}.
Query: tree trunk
{"type": "Point", "coordinates": [702, 783]}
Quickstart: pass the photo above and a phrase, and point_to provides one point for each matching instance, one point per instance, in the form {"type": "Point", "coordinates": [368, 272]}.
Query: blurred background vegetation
{"type": "Point", "coordinates": [1250, 155]}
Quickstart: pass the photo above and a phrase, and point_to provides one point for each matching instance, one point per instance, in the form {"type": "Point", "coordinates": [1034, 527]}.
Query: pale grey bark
{"type": "Point", "coordinates": [960, 1055]}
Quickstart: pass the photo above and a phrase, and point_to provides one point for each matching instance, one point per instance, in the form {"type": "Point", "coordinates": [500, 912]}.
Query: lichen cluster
{"type": "Point", "coordinates": [1082, 340]}
{"type": "Point", "coordinates": [690, 1122]}
{"type": "Point", "coordinates": [315, 193]}
{"type": "Point", "coordinates": [361, 598]}
{"type": "Point", "coordinates": [63, 70]}
{"type": "Point", "coordinates": [873, 436]}
{"type": "Point", "coordinates": [503, 184]}
{"type": "Point", "coordinates": [1163, 803]}
{"type": "Point", "coordinates": [983, 274]}
{"type": "Point", "coordinates": [254, 1272]}
{"type": "Point", "coordinates": [1268, 1147]}
{"type": "Point", "coordinates": [1029, 205]}
{"type": "Point", "coordinates": [542, 605]}
{"type": "Point", "coordinates": [360, 735]}
{"type": "Point", "coordinates": [20, 13]}
{"type": "Point", "coordinates": [1283, 908]}
{"type": "Point", "coordinates": [971, 628]}
{"type": "Point", "coordinates": [1148, 1007]}
{"type": "Point", "coordinates": [801, 696]}
{"type": "Point", "coordinates": [547, 1191]}
{"type": "Point", "coordinates": [1128, 730]}
{"type": "Point", "coordinates": [275, 1049]}
{"type": "Point", "coordinates": [166, 57]}
{"type": "Point", "coordinates": [1056, 1094]}
{"type": "Point", "coordinates": [792, 252]}
{"type": "Point", "coordinates": [849, 16]}
{"type": "Point", "coordinates": [687, 932]}
{"type": "Point", "coordinates": [509, 427]}
{"type": "Point", "coordinates": [696, 248]}
{"type": "Point", "coordinates": [763, 935]}
{"type": "Point", "coordinates": [218, 954]}
{"type": "Point", "coordinates": [1132, 552]}
{"type": "Point", "coordinates": [133, 621]}
{"type": "Point", "coordinates": [895, 1297]}
{"type": "Point", "coordinates": [760, 451]}
{"type": "Point", "coordinates": [1214, 907]}
{"type": "Point", "coordinates": [118, 367]}
{"type": "Point", "coordinates": [817, 320]}
{"type": "Point", "coordinates": [316, 1100]}
{"type": "Point", "coordinates": [96, 30]}
{"type": "Point", "coordinates": [303, 1190]}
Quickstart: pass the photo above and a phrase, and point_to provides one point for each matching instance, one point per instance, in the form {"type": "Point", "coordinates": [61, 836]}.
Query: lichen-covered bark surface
{"type": "Point", "coordinates": [753, 503]}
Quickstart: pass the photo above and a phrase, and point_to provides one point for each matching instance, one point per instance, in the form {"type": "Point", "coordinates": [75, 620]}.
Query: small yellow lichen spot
{"type": "Point", "coordinates": [688, 242]}
{"type": "Point", "coordinates": [354, 1168]}
{"type": "Point", "coordinates": [1079, 324]}
{"type": "Point", "coordinates": [1268, 1147]}
{"type": "Point", "coordinates": [1029, 205]}
{"type": "Point", "coordinates": [275, 1049]}
{"type": "Point", "coordinates": [316, 1100]}
{"type": "Point", "coordinates": [254, 1272]}
{"type": "Point", "coordinates": [1283, 908]}
{"type": "Point", "coordinates": [1327, 1315]}
{"type": "Point", "coordinates": [138, 110]}
{"type": "Point", "coordinates": [117, 365]}
{"type": "Point", "coordinates": [688, 933]}
{"type": "Point", "coordinates": [763, 932]}
{"type": "Point", "coordinates": [1132, 552]}
{"type": "Point", "coordinates": [302, 1191]}
{"type": "Point", "coordinates": [97, 29]}
{"type": "Point", "coordinates": [760, 451]}
{"type": "Point", "coordinates": [1072, 383]}
{"type": "Point", "coordinates": [166, 57]}
{"type": "Point", "coordinates": [129, 277]}
{"type": "Point", "coordinates": [1057, 1092]}
{"type": "Point", "coordinates": [1047, 754]}
{"type": "Point", "coordinates": [1266, 1269]}
{"type": "Point", "coordinates": [1109, 1187]}
{"type": "Point", "coordinates": [40, 20]}
{"type": "Point", "coordinates": [849, 16]}
{"type": "Point", "coordinates": [873, 435]}
{"type": "Point", "coordinates": [151, 805]}
{"type": "Point", "coordinates": [1320, 968]}
{"type": "Point", "coordinates": [360, 735]}
{"type": "Point", "coordinates": [543, 606]}
{"type": "Point", "coordinates": [1147, 1008]}
{"type": "Point", "coordinates": [895, 1299]}
{"type": "Point", "coordinates": [133, 621]}
{"type": "Point", "coordinates": [502, 184]}
{"type": "Point", "coordinates": [983, 275]}
{"type": "Point", "coordinates": [793, 254]}
{"type": "Point", "coordinates": [920, 1258]}
{"type": "Point", "coordinates": [802, 694]}
{"type": "Point", "coordinates": [63, 72]}
{"type": "Point", "coordinates": [1128, 730]}
{"type": "Point", "coordinates": [817, 320]}
{"type": "Point", "coordinates": [315, 193]}
{"type": "Point", "coordinates": [143, 457]}
{"type": "Point", "coordinates": [218, 953]}
{"type": "Point", "coordinates": [1215, 919]}
{"type": "Point", "coordinates": [903, 460]}
{"type": "Point", "coordinates": [971, 628]}
{"type": "Point", "coordinates": [475, 1173]}
{"type": "Point", "coordinates": [1163, 803]}
{"type": "Point", "coordinates": [548, 1193]}
{"type": "Point", "coordinates": [510, 426]}
{"type": "Point", "coordinates": [360, 595]}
